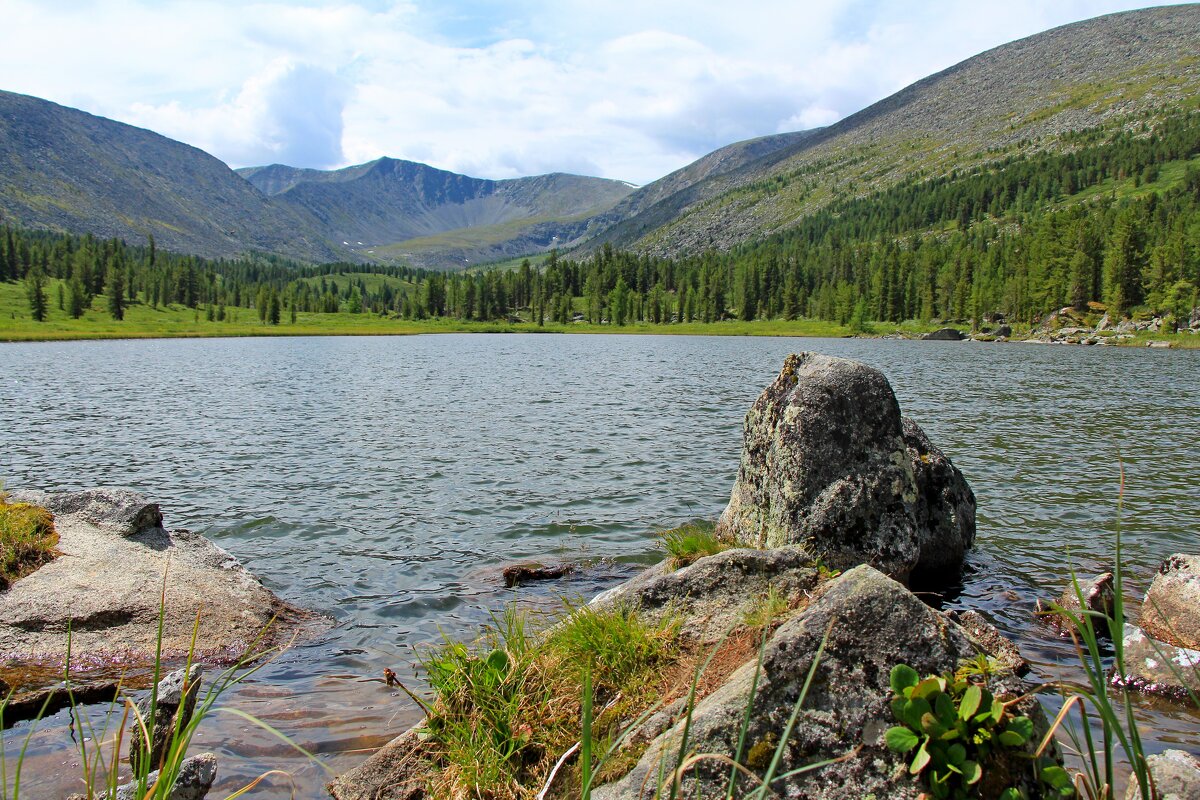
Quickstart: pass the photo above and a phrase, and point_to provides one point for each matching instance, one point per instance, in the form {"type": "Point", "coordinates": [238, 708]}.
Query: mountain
{"type": "Point", "coordinates": [392, 210]}
{"type": "Point", "coordinates": [1021, 97]}
{"type": "Point", "coordinates": [67, 170]}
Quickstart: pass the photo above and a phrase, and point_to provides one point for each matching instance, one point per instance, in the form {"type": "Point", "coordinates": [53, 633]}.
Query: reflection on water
{"type": "Point", "coordinates": [382, 480]}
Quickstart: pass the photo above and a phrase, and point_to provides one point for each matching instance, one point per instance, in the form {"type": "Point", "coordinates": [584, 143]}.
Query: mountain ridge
{"type": "Point", "coordinates": [1033, 89]}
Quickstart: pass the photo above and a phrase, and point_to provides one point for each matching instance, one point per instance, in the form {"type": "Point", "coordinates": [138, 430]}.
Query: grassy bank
{"type": "Point", "coordinates": [144, 322]}
{"type": "Point", "coordinates": [27, 540]}
{"type": "Point", "coordinates": [175, 321]}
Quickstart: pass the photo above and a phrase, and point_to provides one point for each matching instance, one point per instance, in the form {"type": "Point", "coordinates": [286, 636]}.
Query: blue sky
{"type": "Point", "coordinates": [626, 89]}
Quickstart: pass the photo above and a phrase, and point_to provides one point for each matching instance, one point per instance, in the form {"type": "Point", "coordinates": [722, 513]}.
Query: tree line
{"type": "Point", "coordinates": [1112, 216]}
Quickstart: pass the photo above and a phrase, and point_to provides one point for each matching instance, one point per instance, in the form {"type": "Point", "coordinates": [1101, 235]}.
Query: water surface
{"type": "Point", "coordinates": [382, 481]}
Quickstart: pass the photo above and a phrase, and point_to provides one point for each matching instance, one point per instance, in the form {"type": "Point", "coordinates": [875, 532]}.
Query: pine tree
{"type": "Point", "coordinates": [116, 292]}
{"type": "Point", "coordinates": [35, 288]}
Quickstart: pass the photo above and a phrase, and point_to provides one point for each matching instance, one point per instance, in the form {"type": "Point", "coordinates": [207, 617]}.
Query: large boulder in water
{"type": "Point", "coordinates": [1171, 610]}
{"type": "Point", "coordinates": [828, 464]}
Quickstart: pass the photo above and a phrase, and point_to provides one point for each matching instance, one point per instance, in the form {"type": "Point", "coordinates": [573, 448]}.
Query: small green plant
{"type": "Point", "coordinates": [689, 542]}
{"type": "Point", "coordinates": [957, 729]}
{"type": "Point", "coordinates": [765, 608]}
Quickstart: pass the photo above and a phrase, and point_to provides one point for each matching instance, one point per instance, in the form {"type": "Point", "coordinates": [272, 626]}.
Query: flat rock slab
{"type": "Point", "coordinates": [107, 585]}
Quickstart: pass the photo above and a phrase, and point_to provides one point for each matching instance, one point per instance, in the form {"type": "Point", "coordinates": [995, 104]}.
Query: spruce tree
{"type": "Point", "coordinates": [35, 288]}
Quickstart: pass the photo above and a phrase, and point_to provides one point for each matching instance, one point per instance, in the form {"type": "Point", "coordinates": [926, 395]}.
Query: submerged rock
{"type": "Point", "coordinates": [108, 586]}
{"type": "Point", "coordinates": [397, 771]}
{"type": "Point", "coordinates": [1171, 610]}
{"type": "Point", "coordinates": [872, 624]}
{"type": "Point", "coordinates": [520, 574]}
{"type": "Point", "coordinates": [826, 465]}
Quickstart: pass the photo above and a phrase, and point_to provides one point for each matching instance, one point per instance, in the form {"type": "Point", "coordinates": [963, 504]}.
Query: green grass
{"type": "Point", "coordinates": [27, 540]}
{"type": "Point", "coordinates": [505, 707]}
{"type": "Point", "coordinates": [143, 322]}
{"type": "Point", "coordinates": [689, 542]}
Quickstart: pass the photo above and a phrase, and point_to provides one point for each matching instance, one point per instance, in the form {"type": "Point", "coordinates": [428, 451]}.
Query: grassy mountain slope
{"type": "Point", "coordinates": [392, 210]}
{"type": "Point", "coordinates": [66, 170]}
{"type": "Point", "coordinates": [1019, 97]}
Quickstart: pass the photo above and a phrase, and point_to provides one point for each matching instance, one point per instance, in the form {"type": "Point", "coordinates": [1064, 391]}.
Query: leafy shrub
{"type": "Point", "coordinates": [958, 729]}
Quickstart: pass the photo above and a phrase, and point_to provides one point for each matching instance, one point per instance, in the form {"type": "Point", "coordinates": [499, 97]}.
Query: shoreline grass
{"type": "Point", "coordinates": [27, 540]}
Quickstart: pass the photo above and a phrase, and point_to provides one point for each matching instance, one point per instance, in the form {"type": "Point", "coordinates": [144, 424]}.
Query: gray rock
{"type": "Point", "coordinates": [121, 511]}
{"type": "Point", "coordinates": [1171, 610]}
{"type": "Point", "coordinates": [195, 778]}
{"type": "Point", "coordinates": [715, 591]}
{"type": "Point", "coordinates": [1174, 774]}
{"type": "Point", "coordinates": [985, 636]}
{"type": "Point", "coordinates": [171, 711]}
{"type": "Point", "coordinates": [873, 623]}
{"type": "Point", "coordinates": [944, 335]}
{"type": "Point", "coordinates": [108, 588]}
{"type": "Point", "coordinates": [825, 466]}
{"type": "Point", "coordinates": [1097, 595]}
{"type": "Point", "coordinates": [1158, 668]}
{"type": "Point", "coordinates": [1004, 330]}
{"type": "Point", "coordinates": [945, 508]}
{"type": "Point", "coordinates": [397, 771]}
{"type": "Point", "coordinates": [1194, 318]}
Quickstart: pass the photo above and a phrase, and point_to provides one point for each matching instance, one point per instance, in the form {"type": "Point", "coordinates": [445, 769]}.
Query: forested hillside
{"type": "Point", "coordinates": [1114, 218]}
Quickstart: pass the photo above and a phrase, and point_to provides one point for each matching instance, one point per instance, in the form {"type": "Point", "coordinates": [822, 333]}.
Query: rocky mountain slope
{"type": "Point", "coordinates": [1021, 96]}
{"type": "Point", "coordinates": [391, 210]}
{"type": "Point", "coordinates": [66, 170]}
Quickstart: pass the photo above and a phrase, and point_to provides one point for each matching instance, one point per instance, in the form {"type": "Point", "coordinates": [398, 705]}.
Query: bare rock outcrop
{"type": "Point", "coordinates": [107, 586]}
{"type": "Point", "coordinates": [829, 465]}
{"type": "Point", "coordinates": [872, 624]}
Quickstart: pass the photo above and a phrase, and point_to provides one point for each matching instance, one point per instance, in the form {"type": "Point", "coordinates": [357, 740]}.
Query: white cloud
{"type": "Point", "coordinates": [624, 89]}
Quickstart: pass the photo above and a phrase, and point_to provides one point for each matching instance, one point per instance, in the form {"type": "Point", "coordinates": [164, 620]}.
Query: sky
{"type": "Point", "coordinates": [623, 89]}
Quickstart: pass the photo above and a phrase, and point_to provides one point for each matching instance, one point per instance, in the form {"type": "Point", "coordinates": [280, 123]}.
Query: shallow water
{"type": "Point", "coordinates": [382, 481]}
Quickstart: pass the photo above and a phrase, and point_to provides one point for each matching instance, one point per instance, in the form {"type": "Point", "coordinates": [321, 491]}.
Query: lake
{"type": "Point", "coordinates": [384, 481]}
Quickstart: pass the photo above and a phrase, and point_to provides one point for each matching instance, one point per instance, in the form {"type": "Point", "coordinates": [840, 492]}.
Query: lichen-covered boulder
{"type": "Point", "coordinates": [1171, 610]}
{"type": "Point", "coordinates": [1175, 774]}
{"type": "Point", "coordinates": [1157, 667]}
{"type": "Point", "coordinates": [826, 466]}
{"type": "Point", "coordinates": [872, 623]}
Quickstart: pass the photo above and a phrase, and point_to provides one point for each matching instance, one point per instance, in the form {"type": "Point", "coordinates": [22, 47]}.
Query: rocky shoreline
{"type": "Point", "coordinates": [1072, 326]}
